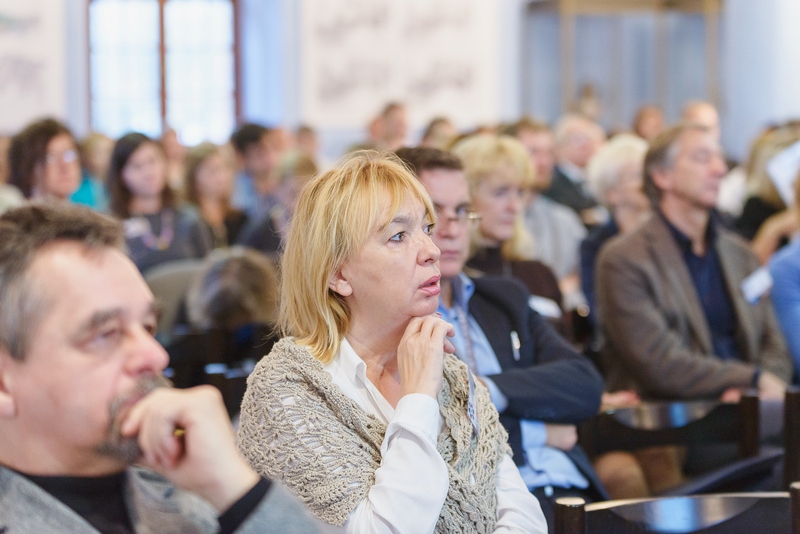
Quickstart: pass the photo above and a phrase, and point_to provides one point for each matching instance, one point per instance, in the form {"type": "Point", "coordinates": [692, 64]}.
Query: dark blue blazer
{"type": "Point", "coordinates": [550, 382]}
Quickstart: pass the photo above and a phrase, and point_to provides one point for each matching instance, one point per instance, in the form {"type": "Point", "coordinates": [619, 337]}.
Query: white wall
{"type": "Point", "coordinates": [760, 66]}
{"type": "Point", "coordinates": [762, 70]}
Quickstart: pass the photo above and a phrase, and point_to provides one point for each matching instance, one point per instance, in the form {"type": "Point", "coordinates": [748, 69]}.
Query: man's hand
{"type": "Point", "coordinates": [562, 437]}
{"type": "Point", "coordinates": [619, 399]}
{"type": "Point", "coordinates": [770, 387]}
{"type": "Point", "coordinates": [186, 436]}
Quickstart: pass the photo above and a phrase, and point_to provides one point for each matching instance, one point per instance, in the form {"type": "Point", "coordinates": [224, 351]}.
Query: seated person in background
{"type": "Point", "coordinates": [82, 398]}
{"type": "Point", "coordinates": [763, 202]}
{"type": "Point", "coordinates": [255, 190]}
{"type": "Point", "coordinates": [670, 294]}
{"type": "Point", "coordinates": [10, 197]}
{"type": "Point", "coordinates": [175, 154]}
{"type": "Point", "coordinates": [439, 133]}
{"type": "Point", "coordinates": [539, 384]}
{"type": "Point", "coordinates": [157, 230]}
{"type": "Point", "coordinates": [43, 161]}
{"type": "Point", "coordinates": [95, 154]}
{"type": "Point", "coordinates": [785, 270]}
{"type": "Point", "coordinates": [266, 235]}
{"type": "Point", "coordinates": [615, 176]}
{"type": "Point", "coordinates": [557, 231]}
{"type": "Point", "coordinates": [498, 170]}
{"type": "Point", "coordinates": [236, 291]}
{"type": "Point", "coordinates": [364, 412]}
{"type": "Point", "coordinates": [648, 122]}
{"type": "Point", "coordinates": [577, 139]}
{"type": "Point", "coordinates": [209, 185]}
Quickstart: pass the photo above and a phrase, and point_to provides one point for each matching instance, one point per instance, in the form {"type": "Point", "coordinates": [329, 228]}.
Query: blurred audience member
{"type": "Point", "coordinates": [209, 185]}
{"type": "Point", "coordinates": [157, 230]}
{"type": "Point", "coordinates": [557, 231]}
{"type": "Point", "coordinates": [439, 133]}
{"type": "Point", "coordinates": [10, 196]}
{"type": "Point", "coordinates": [237, 287]}
{"type": "Point", "coordinates": [43, 161]}
{"type": "Point", "coordinates": [704, 114]}
{"type": "Point", "coordinates": [615, 176]}
{"type": "Point", "coordinates": [577, 139]}
{"type": "Point", "coordinates": [763, 200]}
{"type": "Point", "coordinates": [95, 154]}
{"type": "Point", "coordinates": [498, 170]}
{"type": "Point", "coordinates": [676, 321]}
{"type": "Point", "coordinates": [175, 153]}
{"type": "Point", "coordinates": [306, 142]}
{"type": "Point", "coordinates": [395, 126]}
{"type": "Point", "coordinates": [267, 234]}
{"type": "Point", "coordinates": [255, 190]}
{"type": "Point", "coordinates": [649, 122]}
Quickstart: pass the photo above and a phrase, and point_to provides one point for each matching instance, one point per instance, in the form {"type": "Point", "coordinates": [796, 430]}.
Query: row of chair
{"type": "Point", "coordinates": [731, 513]}
{"type": "Point", "coordinates": [682, 509]}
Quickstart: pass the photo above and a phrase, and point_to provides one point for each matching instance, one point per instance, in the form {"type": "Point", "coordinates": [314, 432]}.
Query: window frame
{"type": "Point", "coordinates": [162, 56]}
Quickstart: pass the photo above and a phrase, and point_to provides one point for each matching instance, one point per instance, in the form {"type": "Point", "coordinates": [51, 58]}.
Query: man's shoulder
{"type": "Point", "coordinates": [504, 287]}
{"type": "Point", "coordinates": [634, 246]}
{"type": "Point", "coordinates": [563, 216]}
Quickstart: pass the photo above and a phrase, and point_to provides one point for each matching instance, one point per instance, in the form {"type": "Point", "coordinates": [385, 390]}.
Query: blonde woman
{"type": "Point", "coordinates": [364, 412]}
{"type": "Point", "coordinates": [499, 171]}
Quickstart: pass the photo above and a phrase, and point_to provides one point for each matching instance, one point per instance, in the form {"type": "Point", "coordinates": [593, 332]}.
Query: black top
{"type": "Point", "coordinates": [712, 291]}
{"type": "Point", "coordinates": [755, 211]}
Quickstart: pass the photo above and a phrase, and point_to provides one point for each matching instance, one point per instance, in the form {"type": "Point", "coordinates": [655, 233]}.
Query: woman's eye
{"type": "Point", "coordinates": [399, 236]}
{"type": "Point", "coordinates": [429, 228]}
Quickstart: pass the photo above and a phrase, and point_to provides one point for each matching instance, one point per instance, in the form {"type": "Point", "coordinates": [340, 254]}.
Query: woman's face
{"type": "Point", "coordinates": [145, 174]}
{"type": "Point", "coordinates": [61, 171]}
{"type": "Point", "coordinates": [498, 200]}
{"type": "Point", "coordinates": [214, 178]}
{"type": "Point", "coordinates": [395, 275]}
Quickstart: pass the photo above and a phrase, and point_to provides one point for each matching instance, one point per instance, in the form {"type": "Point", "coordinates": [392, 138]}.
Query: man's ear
{"type": "Point", "coordinates": [8, 407]}
{"type": "Point", "coordinates": [339, 284]}
{"type": "Point", "coordinates": [662, 178]}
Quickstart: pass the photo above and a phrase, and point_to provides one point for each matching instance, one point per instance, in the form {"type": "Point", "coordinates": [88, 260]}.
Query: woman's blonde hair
{"type": "Point", "coordinates": [767, 146]}
{"type": "Point", "coordinates": [335, 214]}
{"type": "Point", "coordinates": [483, 156]}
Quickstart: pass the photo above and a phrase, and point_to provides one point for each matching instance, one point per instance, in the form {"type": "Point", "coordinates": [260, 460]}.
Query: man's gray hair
{"type": "Point", "coordinates": [662, 154]}
{"type": "Point", "coordinates": [23, 232]}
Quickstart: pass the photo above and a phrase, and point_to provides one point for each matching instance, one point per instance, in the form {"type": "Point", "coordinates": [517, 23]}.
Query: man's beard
{"type": "Point", "coordinates": [126, 448]}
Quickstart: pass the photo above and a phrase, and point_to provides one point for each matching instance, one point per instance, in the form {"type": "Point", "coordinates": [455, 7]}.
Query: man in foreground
{"type": "Point", "coordinates": [82, 398]}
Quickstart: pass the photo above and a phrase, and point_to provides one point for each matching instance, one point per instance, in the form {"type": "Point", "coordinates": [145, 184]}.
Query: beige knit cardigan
{"type": "Point", "coordinates": [297, 426]}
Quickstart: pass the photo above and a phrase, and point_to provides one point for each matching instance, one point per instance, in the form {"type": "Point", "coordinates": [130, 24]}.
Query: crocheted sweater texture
{"type": "Point", "coordinates": [299, 427]}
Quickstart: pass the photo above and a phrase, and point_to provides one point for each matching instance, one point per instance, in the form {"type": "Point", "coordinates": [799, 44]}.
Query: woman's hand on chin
{"type": "Point", "coordinates": [420, 355]}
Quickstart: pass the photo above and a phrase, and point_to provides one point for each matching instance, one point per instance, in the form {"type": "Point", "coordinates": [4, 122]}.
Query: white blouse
{"type": "Point", "coordinates": [411, 483]}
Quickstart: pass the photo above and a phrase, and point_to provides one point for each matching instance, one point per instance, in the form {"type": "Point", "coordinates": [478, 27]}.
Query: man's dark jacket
{"type": "Point", "coordinates": [550, 382]}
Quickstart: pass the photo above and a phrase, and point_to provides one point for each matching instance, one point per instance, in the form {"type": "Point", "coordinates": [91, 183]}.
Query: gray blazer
{"type": "Point", "coordinates": [657, 338]}
{"type": "Point", "coordinates": [154, 505]}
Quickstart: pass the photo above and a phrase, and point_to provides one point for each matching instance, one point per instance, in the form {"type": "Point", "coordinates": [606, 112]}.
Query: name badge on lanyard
{"type": "Point", "coordinates": [472, 409]}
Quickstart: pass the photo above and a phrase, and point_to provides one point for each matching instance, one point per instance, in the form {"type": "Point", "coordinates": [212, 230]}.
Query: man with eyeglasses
{"type": "Point", "coordinates": [540, 385]}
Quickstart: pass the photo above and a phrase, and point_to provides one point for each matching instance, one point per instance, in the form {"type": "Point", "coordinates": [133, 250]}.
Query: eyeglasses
{"type": "Point", "coordinates": [68, 156]}
{"type": "Point", "coordinates": [463, 217]}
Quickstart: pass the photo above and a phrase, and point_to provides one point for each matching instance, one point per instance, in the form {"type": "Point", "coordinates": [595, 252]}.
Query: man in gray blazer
{"type": "Point", "coordinates": [679, 303]}
{"type": "Point", "coordinates": [82, 398]}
